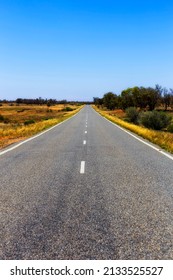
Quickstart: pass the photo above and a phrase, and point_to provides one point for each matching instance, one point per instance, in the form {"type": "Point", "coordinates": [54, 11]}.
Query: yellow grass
{"type": "Point", "coordinates": [160, 138]}
{"type": "Point", "coordinates": [15, 130]}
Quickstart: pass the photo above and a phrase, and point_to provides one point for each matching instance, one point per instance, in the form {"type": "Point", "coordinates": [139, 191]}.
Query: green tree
{"type": "Point", "coordinates": [127, 98]}
{"type": "Point", "coordinates": [153, 97]}
{"type": "Point", "coordinates": [166, 98]}
{"type": "Point", "coordinates": [141, 98]}
{"type": "Point", "coordinates": [110, 100]}
{"type": "Point", "coordinates": [97, 101]}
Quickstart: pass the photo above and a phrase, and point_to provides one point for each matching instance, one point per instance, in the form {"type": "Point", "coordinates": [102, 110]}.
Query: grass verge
{"type": "Point", "coordinates": [10, 133]}
{"type": "Point", "coordinates": [160, 138]}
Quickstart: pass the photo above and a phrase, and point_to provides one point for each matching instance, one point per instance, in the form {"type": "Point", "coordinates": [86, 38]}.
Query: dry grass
{"type": "Point", "coordinates": [160, 138]}
{"type": "Point", "coordinates": [13, 128]}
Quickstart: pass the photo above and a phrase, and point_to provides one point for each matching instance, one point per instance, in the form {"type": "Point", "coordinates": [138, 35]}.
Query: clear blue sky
{"type": "Point", "coordinates": [78, 49]}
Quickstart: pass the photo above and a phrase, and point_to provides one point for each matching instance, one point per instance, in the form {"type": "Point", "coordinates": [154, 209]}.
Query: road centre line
{"type": "Point", "coordinates": [84, 142]}
{"type": "Point", "coordinates": [82, 167]}
{"type": "Point", "coordinates": [137, 138]}
{"type": "Point", "coordinates": [85, 131]}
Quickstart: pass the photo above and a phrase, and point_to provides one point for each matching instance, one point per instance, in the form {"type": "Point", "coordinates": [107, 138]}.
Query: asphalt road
{"type": "Point", "coordinates": [86, 190]}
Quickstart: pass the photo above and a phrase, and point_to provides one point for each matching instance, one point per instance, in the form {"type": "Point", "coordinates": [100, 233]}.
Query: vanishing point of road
{"type": "Point", "coordinates": [86, 189]}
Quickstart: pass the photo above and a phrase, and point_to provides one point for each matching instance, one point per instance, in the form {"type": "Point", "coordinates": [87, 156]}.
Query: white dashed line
{"type": "Point", "coordinates": [84, 142]}
{"type": "Point", "coordinates": [85, 131]}
{"type": "Point", "coordinates": [82, 167]}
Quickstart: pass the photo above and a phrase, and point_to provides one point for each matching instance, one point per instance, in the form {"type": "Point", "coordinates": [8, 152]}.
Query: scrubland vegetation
{"type": "Point", "coordinates": [19, 120]}
{"type": "Point", "coordinates": [147, 112]}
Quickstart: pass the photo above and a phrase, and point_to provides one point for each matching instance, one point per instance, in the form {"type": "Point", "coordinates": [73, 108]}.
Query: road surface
{"type": "Point", "coordinates": [86, 190]}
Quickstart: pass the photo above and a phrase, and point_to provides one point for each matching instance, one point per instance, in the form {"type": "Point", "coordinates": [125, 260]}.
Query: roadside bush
{"type": "Point", "coordinates": [170, 128]}
{"type": "Point", "coordinates": [155, 120]}
{"type": "Point", "coordinates": [132, 114]}
{"type": "Point", "coordinates": [6, 120]}
{"type": "Point", "coordinates": [1, 118]}
{"type": "Point", "coordinates": [67, 109]}
{"type": "Point", "coordinates": [27, 122]}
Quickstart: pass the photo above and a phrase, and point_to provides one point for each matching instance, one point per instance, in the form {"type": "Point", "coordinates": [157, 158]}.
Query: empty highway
{"type": "Point", "coordinates": [85, 189]}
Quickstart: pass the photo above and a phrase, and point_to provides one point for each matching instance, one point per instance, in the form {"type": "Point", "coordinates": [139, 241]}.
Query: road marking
{"type": "Point", "coordinates": [137, 138]}
{"type": "Point", "coordinates": [82, 167]}
{"type": "Point", "coordinates": [85, 131]}
{"type": "Point", "coordinates": [86, 125]}
{"type": "Point", "coordinates": [84, 142]}
{"type": "Point", "coordinates": [33, 137]}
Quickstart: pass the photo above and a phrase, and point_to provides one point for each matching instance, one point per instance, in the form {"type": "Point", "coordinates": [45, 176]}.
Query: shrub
{"type": "Point", "coordinates": [49, 104]}
{"type": "Point", "coordinates": [155, 120]}
{"type": "Point", "coordinates": [1, 118]}
{"type": "Point", "coordinates": [132, 114]}
{"type": "Point", "coordinates": [170, 128]}
{"type": "Point", "coordinates": [6, 120]}
{"type": "Point", "coordinates": [27, 122]}
{"type": "Point", "coordinates": [67, 109]}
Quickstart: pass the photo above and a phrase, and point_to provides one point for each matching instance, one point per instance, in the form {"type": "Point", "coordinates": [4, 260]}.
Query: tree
{"type": "Point", "coordinates": [19, 100]}
{"type": "Point", "coordinates": [97, 101]}
{"type": "Point", "coordinates": [110, 100]}
{"type": "Point", "coordinates": [166, 98]}
{"type": "Point", "coordinates": [171, 93]}
{"type": "Point", "coordinates": [152, 96]}
{"type": "Point", "coordinates": [127, 98]}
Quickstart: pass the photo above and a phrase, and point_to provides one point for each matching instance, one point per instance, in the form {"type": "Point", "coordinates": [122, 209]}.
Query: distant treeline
{"type": "Point", "coordinates": [42, 101]}
{"type": "Point", "coordinates": [139, 97]}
